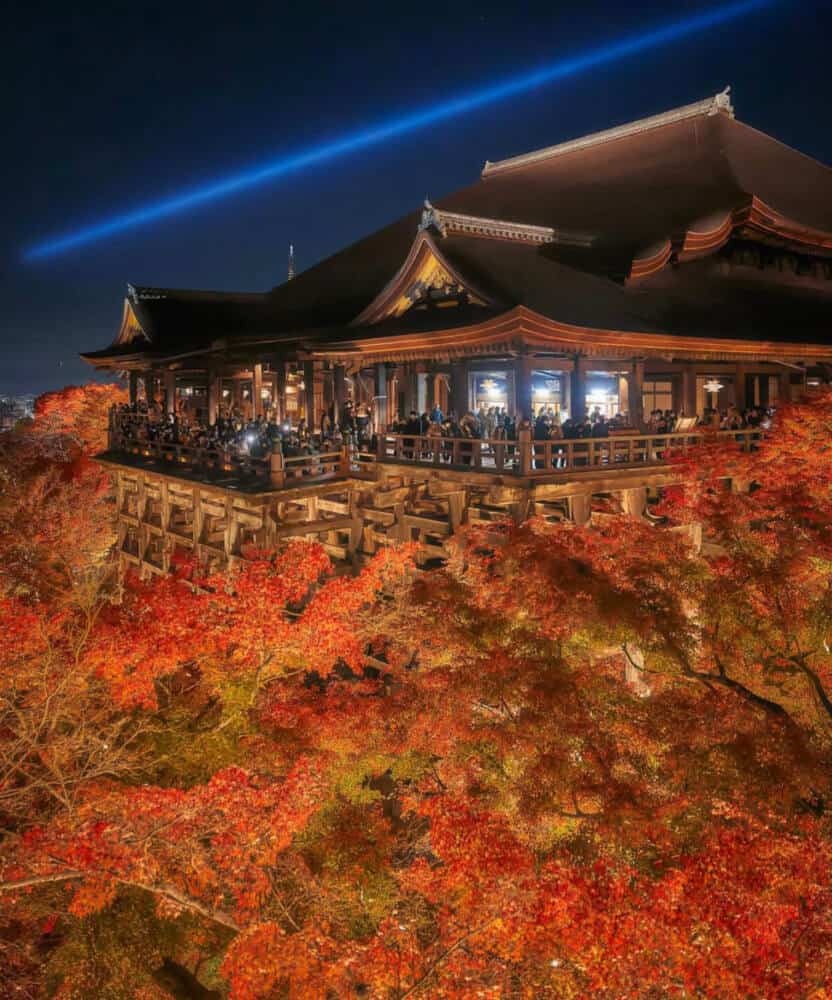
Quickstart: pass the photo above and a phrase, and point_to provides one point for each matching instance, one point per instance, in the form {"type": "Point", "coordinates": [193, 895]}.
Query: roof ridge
{"type": "Point", "coordinates": [718, 104]}
{"type": "Point", "coordinates": [448, 223]}
{"type": "Point", "coordinates": [143, 293]}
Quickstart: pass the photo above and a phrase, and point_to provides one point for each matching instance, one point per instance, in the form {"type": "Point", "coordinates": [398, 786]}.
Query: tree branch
{"type": "Point", "coordinates": [216, 916]}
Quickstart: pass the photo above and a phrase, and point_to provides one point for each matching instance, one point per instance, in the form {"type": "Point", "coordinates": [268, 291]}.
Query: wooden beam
{"type": "Point", "coordinates": [257, 389]}
{"type": "Point", "coordinates": [577, 389]}
{"type": "Point", "coordinates": [170, 391]}
{"type": "Point", "coordinates": [523, 389]}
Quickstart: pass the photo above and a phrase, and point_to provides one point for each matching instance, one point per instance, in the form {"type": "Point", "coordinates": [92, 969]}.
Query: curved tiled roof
{"type": "Point", "coordinates": [636, 192]}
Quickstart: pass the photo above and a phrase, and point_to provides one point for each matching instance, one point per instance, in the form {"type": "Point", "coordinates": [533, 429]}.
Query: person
{"type": "Point", "coordinates": [490, 423]}
{"type": "Point", "coordinates": [556, 434]}
{"type": "Point", "coordinates": [412, 430]}
{"type": "Point", "coordinates": [600, 428]}
{"type": "Point", "coordinates": [499, 435]}
{"type": "Point", "coordinates": [436, 414]}
{"type": "Point", "coordinates": [540, 432]}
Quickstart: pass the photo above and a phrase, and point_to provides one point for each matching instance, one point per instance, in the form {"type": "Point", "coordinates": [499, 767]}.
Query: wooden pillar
{"type": "Point", "coordinates": [689, 391]}
{"type": "Point", "coordinates": [577, 389]}
{"type": "Point", "coordinates": [309, 394]}
{"type": "Point", "coordinates": [436, 381]}
{"type": "Point", "coordinates": [580, 508]}
{"type": "Point", "coordinates": [523, 388]}
{"type": "Point", "coordinates": [421, 392]}
{"type": "Point", "coordinates": [133, 382]}
{"type": "Point", "coordinates": [213, 396]}
{"type": "Point", "coordinates": [762, 394]}
{"type": "Point", "coordinates": [784, 387]}
{"type": "Point", "coordinates": [740, 393]}
{"type": "Point", "coordinates": [636, 394]}
{"type": "Point", "coordinates": [524, 441]}
{"type": "Point", "coordinates": [237, 394]}
{"type": "Point", "coordinates": [380, 408]}
{"type": "Point", "coordinates": [410, 386]}
{"type": "Point", "coordinates": [170, 391]}
{"type": "Point", "coordinates": [280, 390]}
{"type": "Point", "coordinates": [393, 412]}
{"type": "Point", "coordinates": [634, 501]}
{"type": "Point", "coordinates": [459, 389]}
{"type": "Point", "coordinates": [257, 389]}
{"type": "Point", "coordinates": [340, 391]}
{"type": "Point", "coordinates": [275, 407]}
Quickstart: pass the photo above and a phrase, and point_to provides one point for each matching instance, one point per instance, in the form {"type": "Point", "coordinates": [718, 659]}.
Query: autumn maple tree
{"type": "Point", "coordinates": [570, 762]}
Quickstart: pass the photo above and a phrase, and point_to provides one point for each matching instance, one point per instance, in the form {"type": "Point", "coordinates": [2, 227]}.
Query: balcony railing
{"type": "Point", "coordinates": [522, 458]}
{"type": "Point", "coordinates": [271, 471]}
{"type": "Point", "coordinates": [528, 458]}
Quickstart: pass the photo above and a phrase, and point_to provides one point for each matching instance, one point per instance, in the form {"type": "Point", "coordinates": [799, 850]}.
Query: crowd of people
{"type": "Point", "coordinates": [232, 433]}
{"type": "Point", "coordinates": [256, 437]}
{"type": "Point", "coordinates": [495, 423]}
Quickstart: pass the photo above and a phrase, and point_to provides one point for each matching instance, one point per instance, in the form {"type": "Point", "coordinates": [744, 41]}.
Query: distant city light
{"type": "Point", "coordinates": [392, 127]}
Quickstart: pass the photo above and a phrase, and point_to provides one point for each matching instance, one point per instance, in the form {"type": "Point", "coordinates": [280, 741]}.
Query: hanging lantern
{"type": "Point", "coordinates": [713, 385]}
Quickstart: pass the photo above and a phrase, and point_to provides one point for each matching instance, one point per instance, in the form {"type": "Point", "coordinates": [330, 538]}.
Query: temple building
{"type": "Point", "coordinates": [680, 262]}
{"type": "Point", "coordinates": [627, 269]}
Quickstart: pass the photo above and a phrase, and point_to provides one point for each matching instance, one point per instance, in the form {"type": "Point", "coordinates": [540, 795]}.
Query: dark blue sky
{"type": "Point", "coordinates": [116, 103]}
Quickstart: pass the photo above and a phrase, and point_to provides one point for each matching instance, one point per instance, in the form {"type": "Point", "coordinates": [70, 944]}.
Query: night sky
{"type": "Point", "coordinates": [105, 108]}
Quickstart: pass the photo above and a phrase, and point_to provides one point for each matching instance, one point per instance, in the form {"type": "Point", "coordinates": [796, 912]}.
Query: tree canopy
{"type": "Point", "coordinates": [570, 762]}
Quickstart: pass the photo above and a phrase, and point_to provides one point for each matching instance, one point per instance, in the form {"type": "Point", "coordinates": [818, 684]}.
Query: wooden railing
{"type": "Point", "coordinates": [272, 470]}
{"type": "Point", "coordinates": [523, 457]}
{"type": "Point", "coordinates": [527, 457]}
{"type": "Point", "coordinates": [495, 455]}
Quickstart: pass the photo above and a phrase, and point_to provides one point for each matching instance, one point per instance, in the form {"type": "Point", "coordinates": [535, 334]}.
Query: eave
{"type": "Point", "coordinates": [753, 220]}
{"type": "Point", "coordinates": [521, 329]}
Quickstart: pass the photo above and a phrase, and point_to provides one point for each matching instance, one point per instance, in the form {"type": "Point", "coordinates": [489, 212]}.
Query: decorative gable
{"type": "Point", "coordinates": [131, 329]}
{"type": "Point", "coordinates": [425, 280]}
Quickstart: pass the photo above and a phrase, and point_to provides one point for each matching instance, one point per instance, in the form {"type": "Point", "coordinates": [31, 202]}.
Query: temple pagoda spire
{"type": "Point", "coordinates": [291, 272]}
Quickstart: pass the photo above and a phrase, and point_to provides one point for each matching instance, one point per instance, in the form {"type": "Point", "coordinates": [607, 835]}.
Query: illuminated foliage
{"type": "Point", "coordinates": [573, 762]}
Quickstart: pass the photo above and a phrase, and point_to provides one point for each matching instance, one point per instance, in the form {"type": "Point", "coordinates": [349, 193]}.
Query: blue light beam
{"type": "Point", "coordinates": [391, 128]}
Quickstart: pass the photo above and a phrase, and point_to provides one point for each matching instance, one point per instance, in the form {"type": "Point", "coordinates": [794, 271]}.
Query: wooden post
{"type": "Point", "coordinates": [345, 463]}
{"type": "Point", "coordinates": [580, 508]}
{"type": "Point", "coordinates": [459, 389]}
{"type": "Point", "coordinates": [740, 393]}
{"type": "Point", "coordinates": [309, 394]}
{"type": "Point", "coordinates": [524, 437]}
{"type": "Point", "coordinates": [133, 382]}
{"type": "Point", "coordinates": [689, 391]}
{"type": "Point", "coordinates": [170, 391]}
{"type": "Point", "coordinates": [380, 408]}
{"type": "Point", "coordinates": [421, 382]}
{"type": "Point", "coordinates": [523, 389]}
{"type": "Point", "coordinates": [257, 389]}
{"type": "Point", "coordinates": [213, 397]}
{"type": "Point", "coordinates": [340, 392]}
{"type": "Point", "coordinates": [577, 389]}
{"type": "Point", "coordinates": [413, 393]}
{"type": "Point", "coordinates": [435, 393]}
{"type": "Point", "coordinates": [634, 501]}
{"type": "Point", "coordinates": [237, 394]}
{"type": "Point", "coordinates": [280, 390]}
{"type": "Point", "coordinates": [276, 471]}
{"type": "Point", "coordinates": [636, 394]}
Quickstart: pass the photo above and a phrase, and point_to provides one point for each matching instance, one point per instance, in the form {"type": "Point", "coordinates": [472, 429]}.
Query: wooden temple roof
{"type": "Point", "coordinates": [638, 230]}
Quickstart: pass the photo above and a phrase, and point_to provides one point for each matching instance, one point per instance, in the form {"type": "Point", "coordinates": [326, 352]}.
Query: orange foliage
{"type": "Point", "coordinates": [449, 784]}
